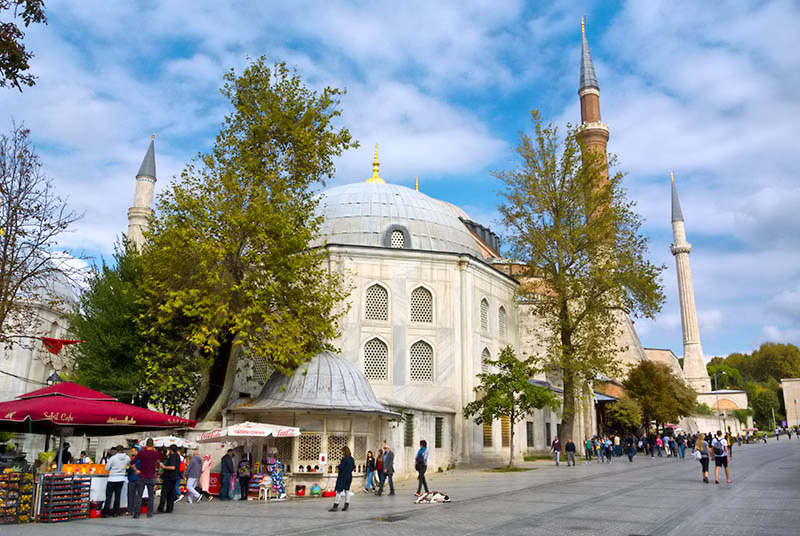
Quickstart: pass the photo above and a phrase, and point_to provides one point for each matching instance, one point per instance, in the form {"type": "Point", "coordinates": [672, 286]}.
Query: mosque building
{"type": "Point", "coordinates": [432, 301]}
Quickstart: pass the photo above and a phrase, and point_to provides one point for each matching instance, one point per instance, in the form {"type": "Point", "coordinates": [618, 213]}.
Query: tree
{"type": "Point", "coordinates": [578, 240]}
{"type": "Point", "coordinates": [32, 217]}
{"type": "Point", "coordinates": [763, 404]}
{"type": "Point", "coordinates": [663, 396]}
{"type": "Point", "coordinates": [13, 55]}
{"type": "Point", "coordinates": [508, 393]}
{"type": "Point", "coordinates": [228, 267]}
{"type": "Point", "coordinates": [727, 377]}
{"type": "Point", "coordinates": [626, 413]}
{"type": "Point", "coordinates": [106, 320]}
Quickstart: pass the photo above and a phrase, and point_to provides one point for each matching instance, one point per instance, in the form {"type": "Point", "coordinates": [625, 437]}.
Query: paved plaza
{"type": "Point", "coordinates": [649, 496]}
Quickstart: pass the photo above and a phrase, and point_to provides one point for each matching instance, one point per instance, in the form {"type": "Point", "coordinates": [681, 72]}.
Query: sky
{"type": "Point", "coordinates": [444, 88]}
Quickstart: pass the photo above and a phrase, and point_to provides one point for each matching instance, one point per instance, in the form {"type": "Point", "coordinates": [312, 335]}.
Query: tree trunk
{"type": "Point", "coordinates": [221, 376]}
{"type": "Point", "coordinates": [511, 438]}
{"type": "Point", "coordinates": [569, 409]}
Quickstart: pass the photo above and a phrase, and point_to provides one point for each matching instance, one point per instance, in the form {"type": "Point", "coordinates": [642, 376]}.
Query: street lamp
{"type": "Point", "coordinates": [53, 379]}
{"type": "Point", "coordinates": [716, 392]}
{"type": "Point", "coordinates": [796, 421]}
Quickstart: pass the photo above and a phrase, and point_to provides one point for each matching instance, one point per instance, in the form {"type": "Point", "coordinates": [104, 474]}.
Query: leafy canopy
{"type": "Point", "coordinates": [663, 396]}
{"type": "Point", "coordinates": [507, 392]}
{"type": "Point", "coordinates": [626, 413]}
{"type": "Point", "coordinates": [13, 54]}
{"type": "Point", "coordinates": [229, 267]}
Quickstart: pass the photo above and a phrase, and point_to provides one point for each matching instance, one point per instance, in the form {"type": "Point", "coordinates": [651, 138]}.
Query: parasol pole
{"type": "Point", "coordinates": [60, 449]}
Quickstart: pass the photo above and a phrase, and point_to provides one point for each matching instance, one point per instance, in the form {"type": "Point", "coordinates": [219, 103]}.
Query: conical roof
{"type": "Point", "coordinates": [148, 167]}
{"type": "Point", "coordinates": [326, 383]}
{"type": "Point", "coordinates": [588, 78]}
{"type": "Point", "coordinates": [677, 214]}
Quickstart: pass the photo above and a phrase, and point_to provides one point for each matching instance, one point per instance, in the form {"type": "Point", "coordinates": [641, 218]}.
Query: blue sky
{"type": "Point", "coordinates": [445, 88]}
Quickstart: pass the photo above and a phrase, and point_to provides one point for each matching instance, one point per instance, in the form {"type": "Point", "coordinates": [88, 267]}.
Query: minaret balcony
{"type": "Point", "coordinates": [681, 248]}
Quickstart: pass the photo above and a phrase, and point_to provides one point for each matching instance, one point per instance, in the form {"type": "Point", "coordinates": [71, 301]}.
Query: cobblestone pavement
{"type": "Point", "coordinates": [647, 497]}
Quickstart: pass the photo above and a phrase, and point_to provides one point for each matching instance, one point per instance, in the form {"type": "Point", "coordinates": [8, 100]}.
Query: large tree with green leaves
{"type": "Point", "coordinates": [571, 227]}
{"type": "Point", "coordinates": [106, 319]}
{"type": "Point", "coordinates": [228, 267]}
{"type": "Point", "coordinates": [663, 396]}
{"type": "Point", "coordinates": [507, 392]}
{"type": "Point", "coordinates": [626, 413]}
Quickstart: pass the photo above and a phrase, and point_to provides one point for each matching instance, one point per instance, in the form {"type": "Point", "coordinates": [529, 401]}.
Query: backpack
{"type": "Point", "coordinates": [419, 462]}
{"type": "Point", "coordinates": [717, 445]}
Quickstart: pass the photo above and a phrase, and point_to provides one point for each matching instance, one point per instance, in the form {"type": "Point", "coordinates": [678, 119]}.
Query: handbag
{"type": "Point", "coordinates": [697, 455]}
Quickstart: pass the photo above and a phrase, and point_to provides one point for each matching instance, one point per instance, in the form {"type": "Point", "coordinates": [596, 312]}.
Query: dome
{"type": "Point", "coordinates": [369, 213]}
{"type": "Point", "coordinates": [326, 383]}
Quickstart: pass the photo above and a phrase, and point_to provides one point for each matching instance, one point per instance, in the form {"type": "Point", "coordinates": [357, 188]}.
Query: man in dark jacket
{"type": "Point", "coordinates": [169, 480]}
{"type": "Point", "coordinates": [225, 474]}
{"type": "Point", "coordinates": [569, 448]}
{"type": "Point", "coordinates": [387, 470]}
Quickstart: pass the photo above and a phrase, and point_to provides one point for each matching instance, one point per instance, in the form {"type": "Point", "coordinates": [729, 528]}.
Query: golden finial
{"type": "Point", "coordinates": [671, 176]}
{"type": "Point", "coordinates": [153, 136]}
{"type": "Point", "coordinates": [583, 26]}
{"type": "Point", "coordinates": [416, 183]}
{"type": "Point", "coordinates": [375, 165]}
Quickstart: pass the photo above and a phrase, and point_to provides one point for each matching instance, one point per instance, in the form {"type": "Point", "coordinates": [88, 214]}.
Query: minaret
{"type": "Point", "coordinates": [593, 133]}
{"type": "Point", "coordinates": [694, 368]}
{"type": "Point", "coordinates": [142, 210]}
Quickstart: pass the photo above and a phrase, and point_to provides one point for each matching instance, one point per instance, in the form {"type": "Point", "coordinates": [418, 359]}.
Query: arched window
{"type": "Point", "coordinates": [485, 357]}
{"type": "Point", "coordinates": [376, 360]}
{"type": "Point", "coordinates": [485, 314]}
{"type": "Point", "coordinates": [376, 305]}
{"type": "Point", "coordinates": [398, 240]}
{"type": "Point", "coordinates": [501, 322]}
{"type": "Point", "coordinates": [421, 362]}
{"type": "Point", "coordinates": [421, 305]}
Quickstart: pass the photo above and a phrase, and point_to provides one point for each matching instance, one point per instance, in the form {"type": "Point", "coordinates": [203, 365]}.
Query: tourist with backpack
{"type": "Point", "coordinates": [720, 447]}
{"type": "Point", "coordinates": [421, 465]}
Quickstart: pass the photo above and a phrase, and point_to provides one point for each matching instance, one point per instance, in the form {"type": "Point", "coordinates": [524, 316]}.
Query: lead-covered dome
{"type": "Point", "coordinates": [327, 382]}
{"type": "Point", "coordinates": [389, 215]}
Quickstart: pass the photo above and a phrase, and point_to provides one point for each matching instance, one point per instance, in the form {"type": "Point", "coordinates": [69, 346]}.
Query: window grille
{"type": "Point", "coordinates": [529, 429]}
{"type": "Point", "coordinates": [398, 240]}
{"type": "Point", "coordinates": [309, 449]}
{"type": "Point", "coordinates": [360, 449]}
{"type": "Point", "coordinates": [335, 444]}
{"type": "Point", "coordinates": [484, 315]}
{"type": "Point", "coordinates": [421, 362]}
{"type": "Point", "coordinates": [260, 371]}
{"type": "Point", "coordinates": [487, 433]}
{"type": "Point", "coordinates": [421, 304]}
{"type": "Point", "coordinates": [439, 433]}
{"type": "Point", "coordinates": [376, 360]}
{"type": "Point", "coordinates": [408, 432]}
{"type": "Point", "coordinates": [485, 357]}
{"type": "Point", "coordinates": [284, 447]}
{"type": "Point", "coordinates": [377, 303]}
{"type": "Point", "coordinates": [505, 430]}
{"type": "Point", "coordinates": [501, 322]}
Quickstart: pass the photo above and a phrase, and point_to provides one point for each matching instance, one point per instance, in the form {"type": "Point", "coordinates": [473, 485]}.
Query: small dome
{"type": "Point", "coordinates": [326, 383]}
{"type": "Point", "coordinates": [366, 214]}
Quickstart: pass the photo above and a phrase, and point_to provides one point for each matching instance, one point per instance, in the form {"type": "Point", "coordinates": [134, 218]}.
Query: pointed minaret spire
{"type": "Point", "coordinates": [376, 179]}
{"type": "Point", "coordinates": [416, 183]}
{"type": "Point", "coordinates": [142, 210]}
{"type": "Point", "coordinates": [594, 133]}
{"type": "Point", "coordinates": [694, 368]}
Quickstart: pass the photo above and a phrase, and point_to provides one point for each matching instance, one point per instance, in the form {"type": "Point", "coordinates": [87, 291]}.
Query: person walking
{"type": "Point", "coordinates": [193, 471]}
{"type": "Point", "coordinates": [569, 448]}
{"type": "Point", "coordinates": [630, 447]}
{"type": "Point", "coordinates": [149, 459]}
{"type": "Point", "coordinates": [116, 466]}
{"type": "Point", "coordinates": [169, 480]}
{"type": "Point", "coordinates": [421, 465]}
{"type": "Point", "coordinates": [387, 470]}
{"type": "Point", "coordinates": [720, 446]}
{"type": "Point", "coordinates": [587, 450]}
{"type": "Point", "coordinates": [244, 478]}
{"type": "Point", "coordinates": [555, 447]}
{"type": "Point", "coordinates": [133, 479]}
{"type": "Point", "coordinates": [702, 447]}
{"type": "Point", "coordinates": [205, 477]}
{"type": "Point", "coordinates": [343, 480]}
{"type": "Point", "coordinates": [370, 469]}
{"type": "Point", "coordinates": [225, 475]}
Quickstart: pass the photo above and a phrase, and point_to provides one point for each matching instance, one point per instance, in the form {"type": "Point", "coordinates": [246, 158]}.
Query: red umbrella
{"type": "Point", "coordinates": [74, 406]}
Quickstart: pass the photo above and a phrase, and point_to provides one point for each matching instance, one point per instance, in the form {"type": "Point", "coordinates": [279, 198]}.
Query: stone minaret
{"type": "Point", "coordinates": [694, 368]}
{"type": "Point", "coordinates": [593, 133]}
{"type": "Point", "coordinates": [142, 210]}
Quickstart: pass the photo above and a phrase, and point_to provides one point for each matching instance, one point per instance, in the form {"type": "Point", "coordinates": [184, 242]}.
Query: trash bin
{"type": "Point", "coordinates": [300, 490]}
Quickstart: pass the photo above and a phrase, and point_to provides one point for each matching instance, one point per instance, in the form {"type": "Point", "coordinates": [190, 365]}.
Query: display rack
{"type": "Point", "coordinates": [16, 497]}
{"type": "Point", "coordinates": [64, 497]}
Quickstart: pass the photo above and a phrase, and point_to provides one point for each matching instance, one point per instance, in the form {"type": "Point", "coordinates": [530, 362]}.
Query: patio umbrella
{"type": "Point", "coordinates": [248, 430]}
{"type": "Point", "coordinates": [72, 406]}
{"type": "Point", "coordinates": [166, 441]}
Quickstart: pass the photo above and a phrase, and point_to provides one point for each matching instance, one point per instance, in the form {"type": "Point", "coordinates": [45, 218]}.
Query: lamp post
{"type": "Point", "coordinates": [53, 379]}
{"type": "Point", "coordinates": [716, 392]}
{"type": "Point", "coordinates": [796, 421]}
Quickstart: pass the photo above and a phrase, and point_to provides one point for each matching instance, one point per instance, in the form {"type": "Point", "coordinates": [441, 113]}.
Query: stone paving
{"type": "Point", "coordinates": [647, 497]}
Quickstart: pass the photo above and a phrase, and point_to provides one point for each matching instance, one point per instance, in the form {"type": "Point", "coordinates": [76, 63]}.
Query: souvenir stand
{"type": "Point", "coordinates": [263, 461]}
